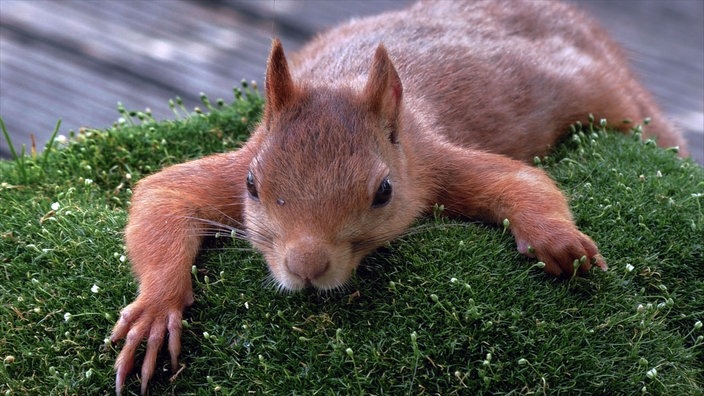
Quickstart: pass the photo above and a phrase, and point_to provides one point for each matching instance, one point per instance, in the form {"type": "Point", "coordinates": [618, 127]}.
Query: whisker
{"type": "Point", "coordinates": [339, 287]}
{"type": "Point", "coordinates": [260, 233]}
{"type": "Point", "coordinates": [373, 243]}
{"type": "Point", "coordinates": [216, 226]}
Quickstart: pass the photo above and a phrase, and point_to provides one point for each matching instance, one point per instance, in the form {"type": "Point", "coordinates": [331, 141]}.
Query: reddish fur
{"type": "Point", "coordinates": [452, 124]}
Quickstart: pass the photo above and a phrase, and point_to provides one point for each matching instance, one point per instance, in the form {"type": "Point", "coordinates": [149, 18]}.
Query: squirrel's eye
{"type": "Point", "coordinates": [251, 187]}
{"type": "Point", "coordinates": [383, 194]}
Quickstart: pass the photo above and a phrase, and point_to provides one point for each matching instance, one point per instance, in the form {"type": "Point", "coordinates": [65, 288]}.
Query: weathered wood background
{"type": "Point", "coordinates": [76, 59]}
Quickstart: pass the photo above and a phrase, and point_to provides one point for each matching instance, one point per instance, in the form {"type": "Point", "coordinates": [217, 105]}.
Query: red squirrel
{"type": "Point", "coordinates": [369, 126]}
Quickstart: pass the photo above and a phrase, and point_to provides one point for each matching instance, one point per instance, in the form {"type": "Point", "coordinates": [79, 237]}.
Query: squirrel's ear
{"type": "Point", "coordinates": [383, 91]}
{"type": "Point", "coordinates": [279, 86]}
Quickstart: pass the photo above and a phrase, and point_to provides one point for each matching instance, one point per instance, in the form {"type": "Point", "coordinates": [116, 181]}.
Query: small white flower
{"type": "Point", "coordinates": [88, 182]}
{"type": "Point", "coordinates": [61, 139]}
{"type": "Point", "coordinates": [652, 373]}
{"type": "Point", "coordinates": [698, 324]}
{"type": "Point", "coordinates": [55, 206]}
{"type": "Point", "coordinates": [629, 267]}
{"type": "Point", "coordinates": [95, 288]}
{"type": "Point", "coordinates": [122, 258]}
{"type": "Point", "coordinates": [67, 316]}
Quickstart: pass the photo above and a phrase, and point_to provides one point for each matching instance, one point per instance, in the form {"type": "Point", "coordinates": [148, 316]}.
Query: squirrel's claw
{"type": "Point", "coordinates": [137, 323]}
{"type": "Point", "coordinates": [562, 247]}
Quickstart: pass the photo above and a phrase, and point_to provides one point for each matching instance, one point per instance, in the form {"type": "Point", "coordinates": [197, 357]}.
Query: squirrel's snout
{"type": "Point", "coordinates": [307, 261]}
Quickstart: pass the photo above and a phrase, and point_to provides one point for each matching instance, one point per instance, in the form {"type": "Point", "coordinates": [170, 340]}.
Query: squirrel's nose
{"type": "Point", "coordinates": [307, 261]}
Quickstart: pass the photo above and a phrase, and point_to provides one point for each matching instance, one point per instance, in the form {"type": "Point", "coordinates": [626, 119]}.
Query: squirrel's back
{"type": "Point", "coordinates": [505, 76]}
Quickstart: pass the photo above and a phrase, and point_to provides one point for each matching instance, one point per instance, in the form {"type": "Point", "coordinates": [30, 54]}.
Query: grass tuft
{"type": "Point", "coordinates": [451, 308]}
{"type": "Point", "coordinates": [25, 164]}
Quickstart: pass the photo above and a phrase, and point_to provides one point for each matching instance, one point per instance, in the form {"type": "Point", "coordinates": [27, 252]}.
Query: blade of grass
{"type": "Point", "coordinates": [49, 145]}
{"type": "Point", "coordinates": [19, 159]}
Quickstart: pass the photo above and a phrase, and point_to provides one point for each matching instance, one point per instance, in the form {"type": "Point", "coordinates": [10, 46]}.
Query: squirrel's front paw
{"type": "Point", "coordinates": [147, 319]}
{"type": "Point", "coordinates": [561, 246]}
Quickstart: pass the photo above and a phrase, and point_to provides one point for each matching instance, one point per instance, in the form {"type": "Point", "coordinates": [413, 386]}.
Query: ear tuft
{"type": "Point", "coordinates": [383, 91]}
{"type": "Point", "coordinates": [280, 90]}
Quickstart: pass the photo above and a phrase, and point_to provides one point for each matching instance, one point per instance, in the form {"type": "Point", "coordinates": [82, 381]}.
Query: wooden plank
{"type": "Point", "coordinates": [300, 20]}
{"type": "Point", "coordinates": [76, 59]}
{"type": "Point", "coordinates": [665, 40]}
{"type": "Point", "coordinates": [83, 63]}
{"type": "Point", "coordinates": [147, 47]}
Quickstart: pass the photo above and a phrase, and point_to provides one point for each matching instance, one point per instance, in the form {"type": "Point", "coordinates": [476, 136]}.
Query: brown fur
{"type": "Point", "coordinates": [448, 109]}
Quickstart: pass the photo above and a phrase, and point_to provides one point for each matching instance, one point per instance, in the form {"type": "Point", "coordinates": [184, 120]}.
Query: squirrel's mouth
{"type": "Point", "coordinates": [333, 278]}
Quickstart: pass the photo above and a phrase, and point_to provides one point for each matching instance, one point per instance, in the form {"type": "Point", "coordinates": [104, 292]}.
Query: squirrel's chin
{"type": "Point", "coordinates": [329, 281]}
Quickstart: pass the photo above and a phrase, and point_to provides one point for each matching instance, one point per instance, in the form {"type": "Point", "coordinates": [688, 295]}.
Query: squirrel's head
{"type": "Point", "coordinates": [326, 185]}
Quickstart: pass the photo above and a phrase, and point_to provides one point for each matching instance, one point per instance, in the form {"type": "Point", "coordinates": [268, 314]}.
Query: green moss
{"type": "Point", "coordinates": [451, 308]}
